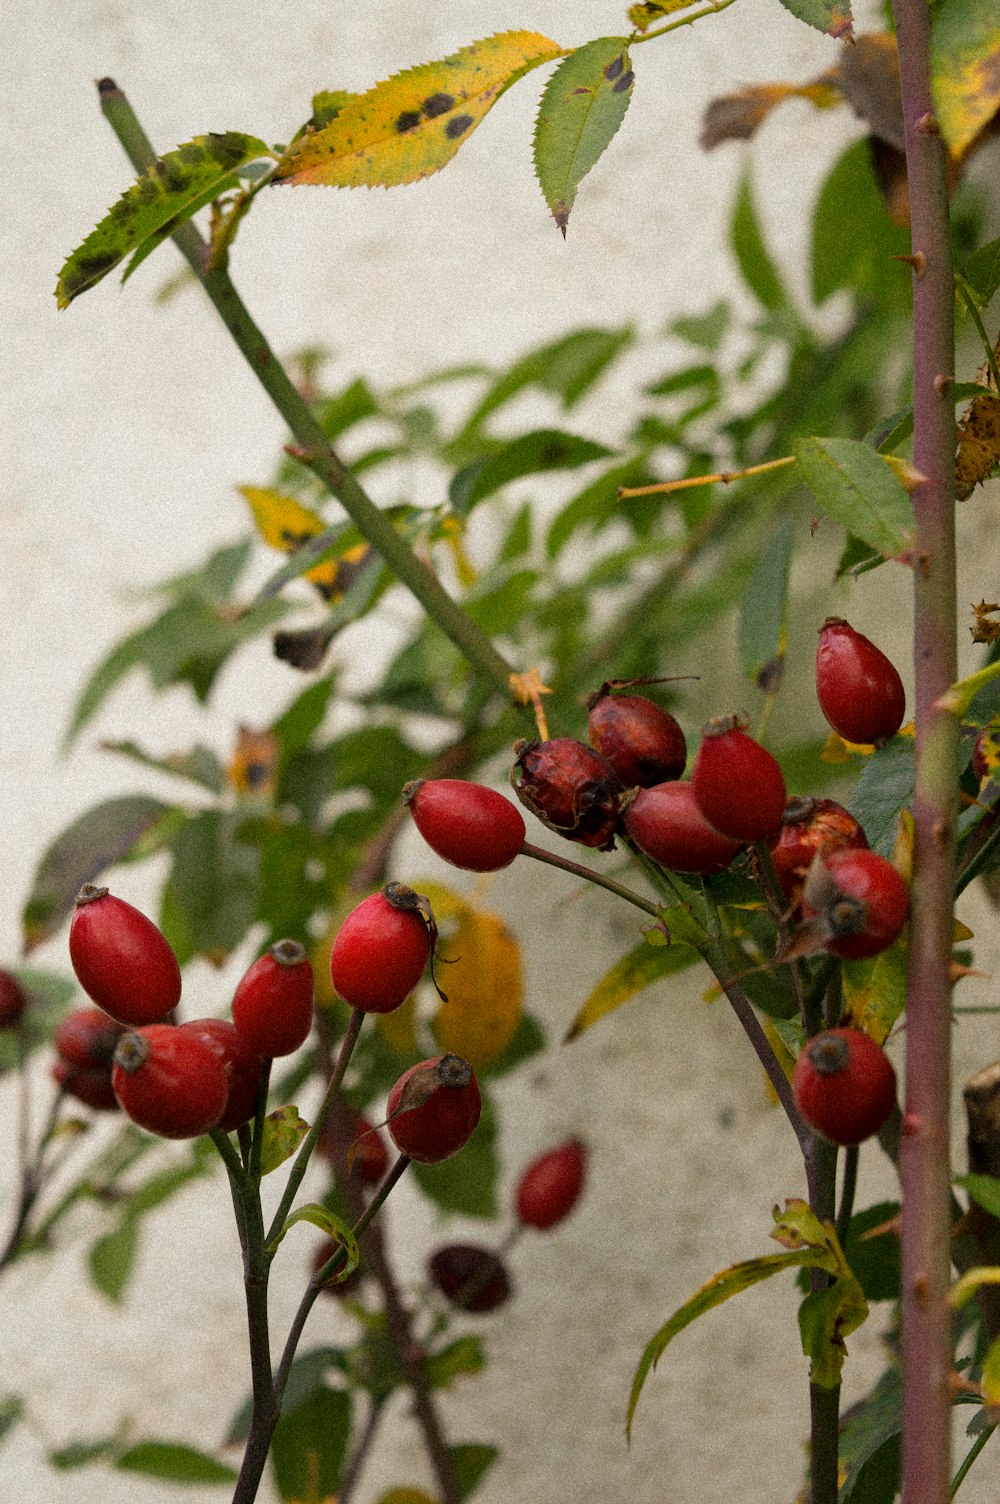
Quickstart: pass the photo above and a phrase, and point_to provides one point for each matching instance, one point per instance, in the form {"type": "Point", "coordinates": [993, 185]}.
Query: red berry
{"type": "Point", "coordinates": [668, 826]}
{"type": "Point", "coordinates": [856, 900]}
{"type": "Point", "coordinates": [87, 1038]}
{"type": "Point", "coordinates": [381, 950]}
{"type": "Point", "coordinates": [92, 1087]}
{"type": "Point", "coordinates": [13, 1000]}
{"type": "Point", "coordinates": [570, 788]}
{"type": "Point", "coordinates": [808, 826]}
{"type": "Point", "coordinates": [121, 959]}
{"type": "Point", "coordinates": [273, 1002]}
{"type": "Point", "coordinates": [642, 741]}
{"type": "Point", "coordinates": [470, 1277]}
{"type": "Point", "coordinates": [470, 826]}
{"type": "Point", "coordinates": [859, 690]}
{"type": "Point", "coordinates": [844, 1085]}
{"type": "Point", "coordinates": [349, 1139]}
{"type": "Point", "coordinates": [434, 1108]}
{"type": "Point", "coordinates": [550, 1187]}
{"type": "Point", "coordinates": [242, 1066]}
{"type": "Point", "coordinates": [737, 784]}
{"type": "Point", "coordinates": [170, 1081]}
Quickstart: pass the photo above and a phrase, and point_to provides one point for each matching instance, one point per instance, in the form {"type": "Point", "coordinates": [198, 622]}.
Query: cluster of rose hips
{"type": "Point", "coordinates": [845, 899]}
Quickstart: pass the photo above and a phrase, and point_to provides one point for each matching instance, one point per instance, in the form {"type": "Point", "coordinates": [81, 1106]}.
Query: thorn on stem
{"type": "Point", "coordinates": [922, 1290]}
{"type": "Point", "coordinates": [927, 125]}
{"type": "Point", "coordinates": [941, 385]}
{"type": "Point", "coordinates": [917, 260]}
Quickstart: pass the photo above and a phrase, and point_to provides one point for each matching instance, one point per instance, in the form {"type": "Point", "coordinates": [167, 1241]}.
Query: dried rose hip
{"type": "Point", "coordinates": [810, 825]}
{"type": "Point", "coordinates": [666, 824]}
{"type": "Point", "coordinates": [570, 788]}
{"type": "Point", "coordinates": [433, 1109]}
{"type": "Point", "coordinates": [859, 689]}
{"type": "Point", "coordinates": [468, 825]}
{"type": "Point", "coordinates": [470, 1277]}
{"type": "Point", "coordinates": [642, 741]}
{"type": "Point", "coordinates": [738, 786]}
{"type": "Point", "coordinates": [121, 959]}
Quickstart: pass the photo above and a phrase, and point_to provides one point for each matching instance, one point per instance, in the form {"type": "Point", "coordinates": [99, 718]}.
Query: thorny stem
{"type": "Point", "coordinates": [924, 1158]}
{"type": "Point", "coordinates": [312, 446]}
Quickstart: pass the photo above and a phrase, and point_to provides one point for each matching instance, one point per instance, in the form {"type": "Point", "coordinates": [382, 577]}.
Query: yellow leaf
{"type": "Point", "coordinates": [875, 991]}
{"type": "Point", "coordinates": [484, 988]}
{"type": "Point", "coordinates": [784, 1056]}
{"type": "Point", "coordinates": [399, 1028]}
{"type": "Point", "coordinates": [413, 123]}
{"type": "Point", "coordinates": [406, 1496]}
{"type": "Point", "coordinates": [285, 524]}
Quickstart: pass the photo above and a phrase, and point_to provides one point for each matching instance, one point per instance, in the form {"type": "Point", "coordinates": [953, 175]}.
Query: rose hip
{"type": "Point", "coordinates": [738, 785]}
{"type": "Point", "coordinates": [170, 1081]}
{"type": "Point", "coordinates": [666, 824]}
{"type": "Point", "coordinates": [468, 825]}
{"type": "Point", "coordinates": [381, 950]}
{"type": "Point", "coordinates": [570, 788]}
{"type": "Point", "coordinates": [551, 1185]}
{"type": "Point", "coordinates": [642, 742]}
{"type": "Point", "coordinates": [856, 902]}
{"type": "Point", "coordinates": [433, 1109]}
{"type": "Point", "coordinates": [241, 1063]}
{"type": "Point", "coordinates": [273, 1002]}
{"type": "Point", "coordinates": [844, 1085]}
{"type": "Point", "coordinates": [121, 959]}
{"type": "Point", "coordinates": [858, 688]}
{"type": "Point", "coordinates": [810, 825]}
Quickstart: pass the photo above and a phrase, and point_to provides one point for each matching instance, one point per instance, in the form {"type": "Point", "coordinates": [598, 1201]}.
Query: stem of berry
{"type": "Point", "coordinates": [353, 1470]}
{"type": "Point", "coordinates": [924, 1162]}
{"type": "Point", "coordinates": [590, 876]}
{"type": "Point", "coordinates": [32, 1181]}
{"type": "Point", "coordinates": [313, 447]}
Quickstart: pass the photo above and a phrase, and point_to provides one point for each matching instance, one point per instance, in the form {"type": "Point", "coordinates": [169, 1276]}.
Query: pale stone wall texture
{"type": "Point", "coordinates": [127, 424]}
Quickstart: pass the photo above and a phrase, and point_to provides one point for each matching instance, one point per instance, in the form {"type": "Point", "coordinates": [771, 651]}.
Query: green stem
{"type": "Point", "coordinates": [259, 1119]}
{"type": "Point", "coordinates": [539, 854]}
{"type": "Point", "coordinates": [301, 1164]}
{"type": "Point", "coordinates": [969, 1458]}
{"type": "Point", "coordinates": [710, 10]}
{"type": "Point", "coordinates": [313, 447]}
{"type": "Point", "coordinates": [965, 292]}
{"type": "Point", "coordinates": [925, 1172]}
{"type": "Point", "coordinates": [847, 1191]}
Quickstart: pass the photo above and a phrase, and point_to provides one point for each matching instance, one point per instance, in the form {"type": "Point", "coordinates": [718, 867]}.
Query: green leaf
{"type": "Point", "coordinates": [719, 1288]}
{"type": "Point", "coordinates": [884, 790]}
{"type": "Point", "coordinates": [341, 412]}
{"type": "Point", "coordinates": [335, 1228]}
{"type": "Point", "coordinates": [462, 1357]}
{"type": "Point", "coordinates": [982, 270]}
{"type": "Point", "coordinates": [200, 765]}
{"type": "Point", "coordinates": [984, 1190]}
{"type": "Point", "coordinates": [80, 1453]}
{"type": "Point", "coordinates": [705, 331]}
{"type": "Point", "coordinates": [856, 486]}
{"type": "Point", "coordinates": [11, 1411]}
{"type": "Point", "coordinates": [174, 1462]}
{"type": "Point", "coordinates": [542, 451]}
{"type": "Point", "coordinates": [746, 238]}
{"type": "Point", "coordinates": [111, 1259]}
{"type": "Point", "coordinates": [831, 16]}
{"type": "Point", "coordinates": [582, 106]}
{"type": "Point", "coordinates": [307, 1453]}
{"type": "Point", "coordinates": [470, 1462]}
{"type": "Point", "coordinates": [466, 1183]}
{"type": "Point", "coordinates": [879, 1479]}
{"type": "Point", "coordinates": [284, 1131]}
{"type": "Point", "coordinates": [853, 237]}
{"type": "Point", "coordinates": [597, 504]}
{"type": "Point", "coordinates": [95, 841]}
{"type": "Point", "coordinates": [826, 1317]}
{"type": "Point", "coordinates": [874, 1261]}
{"type": "Point", "coordinates": [638, 969]}
{"type": "Point", "coordinates": [764, 612]}
{"type": "Point", "coordinates": [965, 68]}
{"type": "Point", "coordinates": [213, 884]}
{"type": "Point", "coordinates": [867, 1427]}
{"type": "Point", "coordinates": [304, 716]}
{"type": "Point", "coordinates": [162, 199]}
{"type": "Point", "coordinates": [529, 1040]}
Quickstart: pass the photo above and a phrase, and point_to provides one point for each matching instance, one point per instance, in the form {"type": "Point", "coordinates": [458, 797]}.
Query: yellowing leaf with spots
{"type": "Point", "coordinates": [413, 123]}
{"type": "Point", "coordinates": [484, 987]}
{"type": "Point", "coordinates": [286, 525]}
{"type": "Point", "coordinates": [965, 68]}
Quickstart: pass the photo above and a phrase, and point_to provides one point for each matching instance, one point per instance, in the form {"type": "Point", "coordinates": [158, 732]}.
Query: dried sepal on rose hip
{"type": "Point", "coordinates": [170, 1081]}
{"type": "Point", "coordinates": [844, 1085]}
{"type": "Point", "coordinates": [810, 825]}
{"type": "Point", "coordinates": [470, 1277]}
{"type": "Point", "coordinates": [570, 788]}
{"type": "Point", "coordinates": [737, 784]}
{"type": "Point", "coordinates": [273, 1003]}
{"type": "Point", "coordinates": [551, 1185]}
{"type": "Point", "coordinates": [641, 741]}
{"type": "Point", "coordinates": [433, 1109]}
{"type": "Point", "coordinates": [667, 825]}
{"type": "Point", "coordinates": [382, 949]}
{"type": "Point", "coordinates": [121, 960]}
{"type": "Point", "coordinates": [858, 687]}
{"type": "Point", "coordinates": [470, 826]}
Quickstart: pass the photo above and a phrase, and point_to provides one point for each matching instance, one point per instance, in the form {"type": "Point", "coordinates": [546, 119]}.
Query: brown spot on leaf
{"type": "Point", "coordinates": [437, 104]}
{"type": "Point", "coordinates": [624, 83]}
{"type": "Point", "coordinates": [457, 126]}
{"type": "Point", "coordinates": [615, 68]}
{"type": "Point", "coordinates": [407, 121]}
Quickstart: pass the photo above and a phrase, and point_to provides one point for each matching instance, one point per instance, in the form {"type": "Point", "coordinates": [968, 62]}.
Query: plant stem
{"type": "Point", "coordinates": [710, 10]}
{"type": "Point", "coordinates": [970, 1457]}
{"type": "Point", "coordinates": [31, 1175]}
{"type": "Point", "coordinates": [924, 1161]}
{"type": "Point", "coordinates": [847, 1191]}
{"type": "Point", "coordinates": [539, 854]}
{"type": "Point", "coordinates": [352, 1472]}
{"type": "Point", "coordinates": [312, 445]}
{"type": "Point", "coordinates": [720, 477]}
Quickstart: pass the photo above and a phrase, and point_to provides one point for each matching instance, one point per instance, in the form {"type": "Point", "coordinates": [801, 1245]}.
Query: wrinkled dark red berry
{"type": "Point", "coordinates": [641, 741]}
{"type": "Point", "coordinates": [433, 1109]}
{"type": "Point", "coordinates": [859, 689]}
{"type": "Point", "coordinates": [808, 826]}
{"type": "Point", "coordinates": [470, 1277]}
{"type": "Point", "coordinates": [666, 824]}
{"type": "Point", "coordinates": [551, 1185]}
{"type": "Point", "coordinates": [737, 784]}
{"type": "Point", "coordinates": [468, 825]}
{"type": "Point", "coordinates": [121, 959]}
{"type": "Point", "coordinates": [570, 788]}
{"type": "Point", "coordinates": [844, 1085]}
